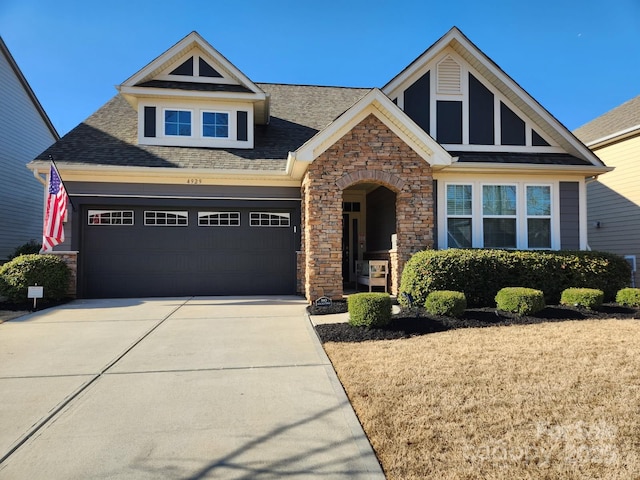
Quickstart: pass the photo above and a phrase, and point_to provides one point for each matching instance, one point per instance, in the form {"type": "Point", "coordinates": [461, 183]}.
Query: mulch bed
{"type": "Point", "coordinates": [414, 322]}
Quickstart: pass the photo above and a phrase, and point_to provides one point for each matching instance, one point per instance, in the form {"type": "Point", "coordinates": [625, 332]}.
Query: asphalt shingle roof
{"type": "Point", "coordinates": [620, 118]}
{"type": "Point", "coordinates": [298, 112]}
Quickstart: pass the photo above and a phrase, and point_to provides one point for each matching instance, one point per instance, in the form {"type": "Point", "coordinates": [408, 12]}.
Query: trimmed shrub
{"type": "Point", "coordinates": [520, 300]}
{"type": "Point", "coordinates": [369, 309]}
{"type": "Point", "coordinates": [629, 297]}
{"type": "Point", "coordinates": [446, 302]}
{"type": "Point", "coordinates": [582, 297]}
{"type": "Point", "coordinates": [480, 274]}
{"type": "Point", "coordinates": [49, 271]}
{"type": "Point", "coordinates": [30, 248]}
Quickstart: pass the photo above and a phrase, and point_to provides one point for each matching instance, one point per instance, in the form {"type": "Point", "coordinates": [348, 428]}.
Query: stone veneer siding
{"type": "Point", "coordinates": [369, 153]}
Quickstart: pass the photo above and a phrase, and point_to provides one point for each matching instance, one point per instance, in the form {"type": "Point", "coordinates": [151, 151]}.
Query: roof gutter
{"type": "Point", "coordinates": [617, 136]}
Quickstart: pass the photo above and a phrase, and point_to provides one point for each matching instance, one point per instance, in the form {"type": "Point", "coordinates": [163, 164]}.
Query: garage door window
{"type": "Point", "coordinates": [166, 219]}
{"type": "Point", "coordinates": [219, 219]}
{"type": "Point", "coordinates": [269, 219]}
{"type": "Point", "coordinates": [110, 217]}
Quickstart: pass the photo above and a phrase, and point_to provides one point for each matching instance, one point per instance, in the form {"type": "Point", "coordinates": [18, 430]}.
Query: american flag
{"type": "Point", "coordinates": [56, 212]}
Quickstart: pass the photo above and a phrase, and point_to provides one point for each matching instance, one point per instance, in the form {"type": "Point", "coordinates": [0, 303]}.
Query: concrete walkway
{"type": "Point", "coordinates": [183, 388]}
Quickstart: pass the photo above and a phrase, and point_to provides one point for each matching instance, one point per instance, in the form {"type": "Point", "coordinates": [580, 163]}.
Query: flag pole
{"type": "Point", "coordinates": [73, 207]}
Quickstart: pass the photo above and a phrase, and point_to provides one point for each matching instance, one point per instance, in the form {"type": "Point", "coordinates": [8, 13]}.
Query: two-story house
{"type": "Point", "coordinates": [194, 180]}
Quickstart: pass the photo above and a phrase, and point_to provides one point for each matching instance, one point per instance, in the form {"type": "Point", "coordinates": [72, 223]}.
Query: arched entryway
{"type": "Point", "coordinates": [368, 160]}
{"type": "Point", "coordinates": [368, 227]}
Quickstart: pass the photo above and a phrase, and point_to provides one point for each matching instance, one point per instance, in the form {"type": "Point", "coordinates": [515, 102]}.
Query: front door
{"type": "Point", "coordinates": [349, 246]}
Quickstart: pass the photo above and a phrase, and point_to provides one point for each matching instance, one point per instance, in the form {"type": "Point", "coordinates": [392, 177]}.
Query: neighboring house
{"type": "Point", "coordinates": [614, 200]}
{"type": "Point", "coordinates": [194, 180]}
{"type": "Point", "coordinates": [25, 131]}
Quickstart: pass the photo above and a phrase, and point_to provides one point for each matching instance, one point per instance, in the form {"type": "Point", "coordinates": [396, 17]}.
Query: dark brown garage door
{"type": "Point", "coordinates": [140, 252]}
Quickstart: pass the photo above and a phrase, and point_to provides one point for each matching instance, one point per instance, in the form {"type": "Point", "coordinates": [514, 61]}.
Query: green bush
{"type": "Point", "coordinates": [369, 309]}
{"type": "Point", "coordinates": [29, 248]}
{"type": "Point", "coordinates": [446, 302]}
{"type": "Point", "coordinates": [582, 297]}
{"type": "Point", "coordinates": [480, 274]}
{"type": "Point", "coordinates": [49, 271]}
{"type": "Point", "coordinates": [520, 300]}
{"type": "Point", "coordinates": [629, 297]}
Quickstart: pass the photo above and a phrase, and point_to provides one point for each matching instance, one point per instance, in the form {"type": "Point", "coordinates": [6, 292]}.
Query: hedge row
{"type": "Point", "coordinates": [480, 274]}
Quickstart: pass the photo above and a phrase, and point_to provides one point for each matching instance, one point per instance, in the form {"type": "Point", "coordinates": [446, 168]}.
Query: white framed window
{"type": "Point", "coordinates": [215, 124]}
{"type": "Point", "coordinates": [269, 219]}
{"type": "Point", "coordinates": [110, 217]}
{"type": "Point", "coordinates": [166, 218]}
{"type": "Point", "coordinates": [516, 215]}
{"type": "Point", "coordinates": [499, 216]}
{"type": "Point", "coordinates": [219, 219]}
{"type": "Point", "coordinates": [538, 198]}
{"type": "Point", "coordinates": [177, 123]}
{"type": "Point", "coordinates": [459, 215]}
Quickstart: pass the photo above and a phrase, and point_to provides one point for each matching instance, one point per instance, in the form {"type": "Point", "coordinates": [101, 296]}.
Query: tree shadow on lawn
{"type": "Point", "coordinates": [418, 322]}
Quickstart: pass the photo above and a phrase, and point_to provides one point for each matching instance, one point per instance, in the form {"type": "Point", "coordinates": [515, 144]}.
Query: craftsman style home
{"type": "Point", "coordinates": [194, 180]}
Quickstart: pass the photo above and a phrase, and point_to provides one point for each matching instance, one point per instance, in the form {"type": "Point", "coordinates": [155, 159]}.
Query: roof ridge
{"type": "Point", "coordinates": [317, 86]}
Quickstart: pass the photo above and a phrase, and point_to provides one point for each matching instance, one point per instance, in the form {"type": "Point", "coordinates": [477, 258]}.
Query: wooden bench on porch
{"type": "Point", "coordinates": [373, 273]}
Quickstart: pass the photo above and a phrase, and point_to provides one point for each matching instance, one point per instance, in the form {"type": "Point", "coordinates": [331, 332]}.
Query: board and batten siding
{"type": "Point", "coordinates": [614, 201]}
{"type": "Point", "coordinates": [23, 135]}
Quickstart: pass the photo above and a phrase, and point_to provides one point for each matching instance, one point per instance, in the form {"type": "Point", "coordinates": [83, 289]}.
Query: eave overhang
{"type": "Point", "coordinates": [478, 168]}
{"type": "Point", "coordinates": [162, 175]}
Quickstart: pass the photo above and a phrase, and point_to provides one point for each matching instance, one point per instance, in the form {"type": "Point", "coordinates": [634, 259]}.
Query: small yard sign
{"type": "Point", "coordinates": [35, 292]}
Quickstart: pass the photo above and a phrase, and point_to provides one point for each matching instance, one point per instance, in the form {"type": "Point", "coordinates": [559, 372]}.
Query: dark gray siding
{"type": "Point", "coordinates": [449, 118]}
{"type": "Point", "coordinates": [417, 102]}
{"type": "Point", "coordinates": [149, 121]}
{"type": "Point", "coordinates": [512, 127]}
{"type": "Point", "coordinates": [537, 140]}
{"type": "Point", "coordinates": [481, 125]}
{"type": "Point", "coordinates": [570, 215]}
{"type": "Point", "coordinates": [243, 127]}
{"type": "Point", "coordinates": [136, 190]}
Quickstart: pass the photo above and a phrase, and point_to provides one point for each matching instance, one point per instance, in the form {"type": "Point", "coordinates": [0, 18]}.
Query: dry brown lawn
{"type": "Point", "coordinates": [550, 401]}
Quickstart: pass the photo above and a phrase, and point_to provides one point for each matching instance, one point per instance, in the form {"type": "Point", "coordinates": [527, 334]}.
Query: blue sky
{"type": "Point", "coordinates": [579, 58]}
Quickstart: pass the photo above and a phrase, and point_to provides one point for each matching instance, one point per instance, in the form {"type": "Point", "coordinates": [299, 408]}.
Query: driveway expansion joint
{"type": "Point", "coordinates": [58, 408]}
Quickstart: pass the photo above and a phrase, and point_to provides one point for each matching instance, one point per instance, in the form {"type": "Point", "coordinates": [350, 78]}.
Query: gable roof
{"type": "Point", "coordinates": [457, 41]}
{"type": "Point", "coordinates": [225, 81]}
{"type": "Point", "coordinates": [108, 139]}
{"type": "Point", "coordinates": [616, 123]}
{"type": "Point", "coordinates": [378, 104]}
{"type": "Point", "coordinates": [27, 88]}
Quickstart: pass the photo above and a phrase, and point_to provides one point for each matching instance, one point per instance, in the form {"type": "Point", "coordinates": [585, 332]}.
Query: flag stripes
{"type": "Point", "coordinates": [55, 213]}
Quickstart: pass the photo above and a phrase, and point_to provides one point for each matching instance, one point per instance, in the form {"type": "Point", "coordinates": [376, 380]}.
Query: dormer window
{"type": "Point", "coordinates": [215, 124]}
{"type": "Point", "coordinates": [191, 96]}
{"type": "Point", "coordinates": [177, 123]}
{"type": "Point", "coordinates": [190, 124]}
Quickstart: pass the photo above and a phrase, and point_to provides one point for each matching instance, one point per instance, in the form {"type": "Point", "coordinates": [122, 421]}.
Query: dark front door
{"type": "Point", "coordinates": [349, 247]}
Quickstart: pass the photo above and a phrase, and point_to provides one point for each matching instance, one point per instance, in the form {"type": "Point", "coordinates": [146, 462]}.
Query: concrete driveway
{"type": "Point", "coordinates": [176, 388]}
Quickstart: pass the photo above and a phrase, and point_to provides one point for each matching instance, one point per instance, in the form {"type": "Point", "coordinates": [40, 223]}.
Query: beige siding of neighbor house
{"type": "Point", "coordinates": [23, 135]}
{"type": "Point", "coordinates": [614, 201]}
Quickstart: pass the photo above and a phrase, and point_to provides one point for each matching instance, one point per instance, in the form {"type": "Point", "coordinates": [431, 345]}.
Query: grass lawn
{"type": "Point", "coordinates": [549, 400]}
